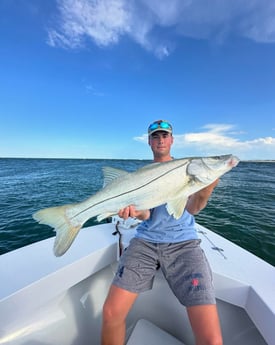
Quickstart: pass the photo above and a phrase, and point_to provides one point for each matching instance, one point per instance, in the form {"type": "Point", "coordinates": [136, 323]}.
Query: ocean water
{"type": "Point", "coordinates": [241, 208]}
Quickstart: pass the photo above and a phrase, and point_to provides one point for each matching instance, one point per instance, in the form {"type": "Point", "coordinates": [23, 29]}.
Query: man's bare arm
{"type": "Point", "coordinates": [198, 201]}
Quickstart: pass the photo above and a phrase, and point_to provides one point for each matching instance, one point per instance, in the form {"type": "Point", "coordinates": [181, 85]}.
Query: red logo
{"type": "Point", "coordinates": [195, 282]}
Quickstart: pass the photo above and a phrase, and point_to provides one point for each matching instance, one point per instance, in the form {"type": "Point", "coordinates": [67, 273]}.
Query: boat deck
{"type": "Point", "coordinates": [41, 295]}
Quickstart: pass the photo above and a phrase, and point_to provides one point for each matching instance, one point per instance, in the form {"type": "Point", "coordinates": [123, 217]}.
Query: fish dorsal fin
{"type": "Point", "coordinates": [176, 207]}
{"type": "Point", "coordinates": [111, 174]}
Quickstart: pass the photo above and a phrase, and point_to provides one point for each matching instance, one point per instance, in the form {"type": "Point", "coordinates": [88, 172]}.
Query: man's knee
{"type": "Point", "coordinates": [110, 312]}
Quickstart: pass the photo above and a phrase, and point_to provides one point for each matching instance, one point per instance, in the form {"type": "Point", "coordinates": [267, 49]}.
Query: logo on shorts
{"type": "Point", "coordinates": [195, 282]}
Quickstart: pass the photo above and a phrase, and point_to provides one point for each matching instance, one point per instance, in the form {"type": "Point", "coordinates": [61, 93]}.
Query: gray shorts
{"type": "Point", "coordinates": [183, 264]}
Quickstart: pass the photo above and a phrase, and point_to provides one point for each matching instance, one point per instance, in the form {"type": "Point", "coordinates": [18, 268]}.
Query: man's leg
{"type": "Point", "coordinates": [115, 310]}
{"type": "Point", "coordinates": [205, 323]}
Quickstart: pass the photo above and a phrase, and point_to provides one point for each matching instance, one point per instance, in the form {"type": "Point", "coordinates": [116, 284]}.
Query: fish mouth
{"type": "Point", "coordinates": [234, 161]}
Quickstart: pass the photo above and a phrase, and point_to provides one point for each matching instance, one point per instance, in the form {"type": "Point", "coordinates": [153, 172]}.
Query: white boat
{"type": "Point", "coordinates": [47, 300]}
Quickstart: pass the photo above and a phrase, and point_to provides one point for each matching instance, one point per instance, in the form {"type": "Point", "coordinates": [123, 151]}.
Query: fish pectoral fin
{"type": "Point", "coordinates": [176, 207]}
{"type": "Point", "coordinates": [111, 174]}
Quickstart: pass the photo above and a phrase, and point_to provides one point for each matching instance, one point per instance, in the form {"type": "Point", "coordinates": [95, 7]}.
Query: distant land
{"type": "Point", "coordinates": [129, 159]}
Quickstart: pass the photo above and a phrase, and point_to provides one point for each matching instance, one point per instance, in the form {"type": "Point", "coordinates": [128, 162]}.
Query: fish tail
{"type": "Point", "coordinates": [66, 229]}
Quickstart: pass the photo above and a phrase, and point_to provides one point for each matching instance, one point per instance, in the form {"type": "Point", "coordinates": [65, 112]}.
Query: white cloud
{"type": "Point", "coordinates": [91, 89]}
{"type": "Point", "coordinates": [216, 136]}
{"type": "Point", "coordinates": [221, 138]}
{"type": "Point", "coordinates": [106, 21]}
{"type": "Point", "coordinates": [103, 21]}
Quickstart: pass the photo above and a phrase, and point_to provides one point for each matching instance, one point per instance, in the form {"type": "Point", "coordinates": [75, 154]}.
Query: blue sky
{"type": "Point", "coordinates": [84, 78]}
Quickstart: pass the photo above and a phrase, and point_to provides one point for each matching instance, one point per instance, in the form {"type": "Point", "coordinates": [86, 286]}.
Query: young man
{"type": "Point", "coordinates": [160, 233]}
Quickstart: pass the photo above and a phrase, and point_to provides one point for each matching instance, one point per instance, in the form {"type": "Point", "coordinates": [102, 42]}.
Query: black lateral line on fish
{"type": "Point", "coordinates": [130, 191]}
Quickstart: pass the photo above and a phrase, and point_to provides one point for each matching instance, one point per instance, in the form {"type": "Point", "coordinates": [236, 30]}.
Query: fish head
{"type": "Point", "coordinates": [208, 169]}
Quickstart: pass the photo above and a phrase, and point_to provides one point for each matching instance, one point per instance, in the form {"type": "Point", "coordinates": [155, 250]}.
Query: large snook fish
{"type": "Point", "coordinates": [169, 183]}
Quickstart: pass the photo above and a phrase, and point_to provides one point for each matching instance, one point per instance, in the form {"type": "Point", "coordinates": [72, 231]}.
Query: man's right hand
{"type": "Point", "coordinates": [130, 211]}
